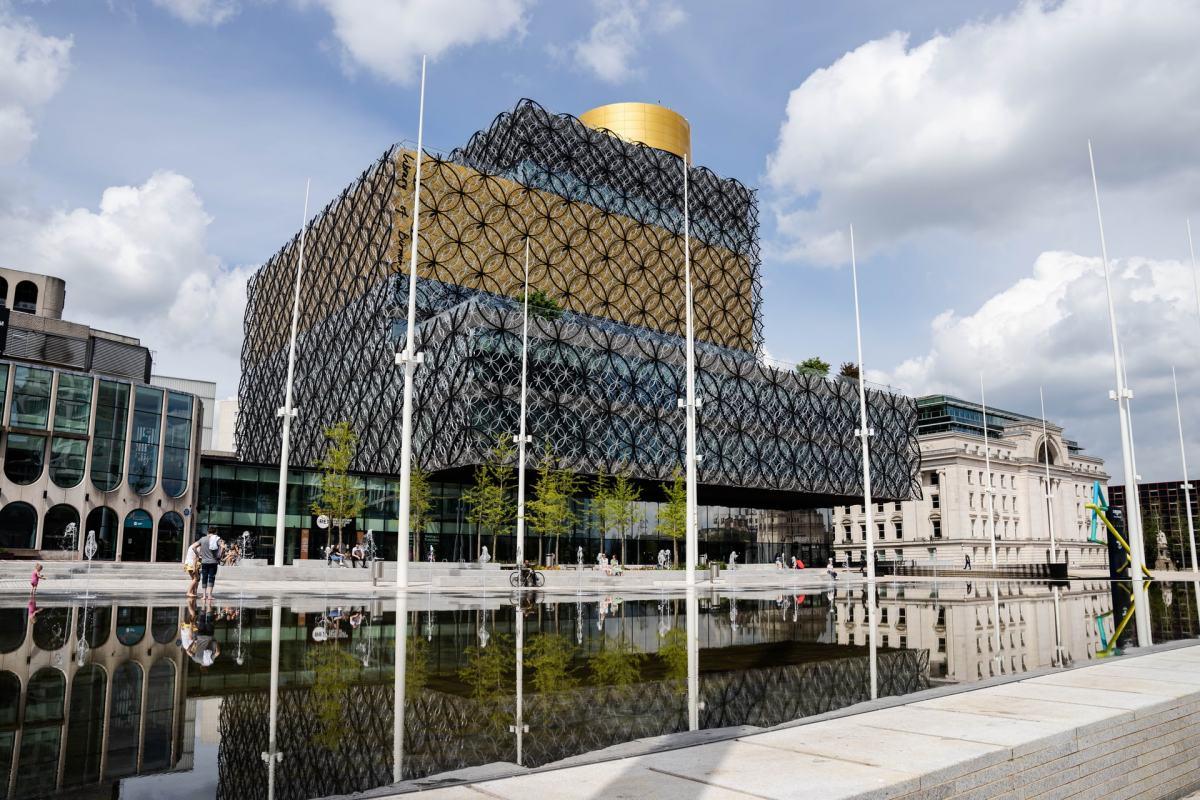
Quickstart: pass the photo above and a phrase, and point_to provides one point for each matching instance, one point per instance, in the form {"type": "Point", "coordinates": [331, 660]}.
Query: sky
{"type": "Point", "coordinates": [154, 152]}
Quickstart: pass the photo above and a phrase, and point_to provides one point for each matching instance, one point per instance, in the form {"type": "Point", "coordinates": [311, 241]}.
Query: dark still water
{"type": "Point", "coordinates": [103, 698]}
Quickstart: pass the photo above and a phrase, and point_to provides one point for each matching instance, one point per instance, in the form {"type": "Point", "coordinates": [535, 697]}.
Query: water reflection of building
{"type": "Point", "coordinates": [957, 624]}
{"type": "Point", "coordinates": [68, 723]}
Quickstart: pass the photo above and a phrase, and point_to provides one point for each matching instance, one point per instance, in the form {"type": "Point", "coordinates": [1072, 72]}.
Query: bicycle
{"type": "Point", "coordinates": [525, 576]}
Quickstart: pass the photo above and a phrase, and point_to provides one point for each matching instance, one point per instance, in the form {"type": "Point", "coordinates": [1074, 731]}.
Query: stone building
{"type": "Point", "coordinates": [949, 522]}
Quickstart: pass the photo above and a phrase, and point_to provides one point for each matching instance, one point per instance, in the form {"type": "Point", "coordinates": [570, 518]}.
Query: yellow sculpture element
{"type": "Point", "coordinates": [644, 123]}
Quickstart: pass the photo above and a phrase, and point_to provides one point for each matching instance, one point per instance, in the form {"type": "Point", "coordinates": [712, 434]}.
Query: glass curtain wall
{"type": "Point", "coordinates": [25, 453]}
{"type": "Point", "coordinates": [143, 451]}
{"type": "Point", "coordinates": [108, 440]}
{"type": "Point", "coordinates": [72, 413]}
{"type": "Point", "coordinates": [177, 444]}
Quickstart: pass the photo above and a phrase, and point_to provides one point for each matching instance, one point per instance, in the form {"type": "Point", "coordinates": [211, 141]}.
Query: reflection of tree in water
{"type": "Point", "coordinates": [550, 657]}
{"type": "Point", "coordinates": [334, 670]}
{"type": "Point", "coordinates": [620, 663]}
{"type": "Point", "coordinates": [416, 669]}
{"type": "Point", "coordinates": [490, 675]}
{"type": "Point", "coordinates": [673, 652]}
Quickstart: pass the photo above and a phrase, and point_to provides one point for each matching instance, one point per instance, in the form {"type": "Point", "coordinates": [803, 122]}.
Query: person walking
{"type": "Point", "coordinates": [191, 565]}
{"type": "Point", "coordinates": [831, 570]}
{"type": "Point", "coordinates": [212, 550]}
{"type": "Point", "coordinates": [34, 580]}
{"type": "Point", "coordinates": [966, 561]}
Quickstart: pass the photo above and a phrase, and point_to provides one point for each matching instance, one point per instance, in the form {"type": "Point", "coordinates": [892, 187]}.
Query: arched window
{"type": "Point", "coordinates": [10, 698]}
{"type": "Point", "coordinates": [18, 525]}
{"type": "Point", "coordinates": [177, 444]}
{"type": "Point", "coordinates": [25, 297]}
{"type": "Point", "coordinates": [160, 715]}
{"type": "Point", "coordinates": [170, 538]}
{"type": "Point", "coordinates": [24, 458]}
{"type": "Point", "coordinates": [51, 628]}
{"type": "Point", "coordinates": [3, 292]}
{"type": "Point", "coordinates": [93, 625]}
{"type": "Point", "coordinates": [12, 629]}
{"type": "Point", "coordinates": [138, 535]}
{"type": "Point", "coordinates": [44, 700]}
{"type": "Point", "coordinates": [108, 438]}
{"type": "Point", "coordinates": [85, 726]}
{"type": "Point", "coordinates": [124, 720]}
{"type": "Point", "coordinates": [164, 624]}
{"type": "Point", "coordinates": [143, 451]}
{"type": "Point", "coordinates": [67, 460]}
{"type": "Point", "coordinates": [102, 521]}
{"type": "Point", "coordinates": [1046, 450]}
{"type": "Point", "coordinates": [54, 528]}
{"type": "Point", "coordinates": [131, 624]}
{"type": "Point", "coordinates": [72, 413]}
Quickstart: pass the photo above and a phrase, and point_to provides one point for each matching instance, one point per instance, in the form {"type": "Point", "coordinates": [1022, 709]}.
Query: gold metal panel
{"type": "Point", "coordinates": [644, 123]}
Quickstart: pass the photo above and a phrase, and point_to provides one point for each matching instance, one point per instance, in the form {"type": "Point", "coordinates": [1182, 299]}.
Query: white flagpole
{"type": "Point", "coordinates": [522, 438]}
{"type": "Point", "coordinates": [692, 543]}
{"type": "Point", "coordinates": [863, 432]}
{"type": "Point", "coordinates": [987, 474]}
{"type": "Point", "coordinates": [410, 359]}
{"type": "Point", "coordinates": [1187, 485]}
{"type": "Point", "coordinates": [1049, 493]}
{"type": "Point", "coordinates": [288, 411]}
{"type": "Point", "coordinates": [1122, 395]}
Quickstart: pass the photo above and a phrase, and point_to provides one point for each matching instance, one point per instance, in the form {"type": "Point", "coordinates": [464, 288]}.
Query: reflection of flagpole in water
{"type": "Point", "coordinates": [693, 659]}
{"type": "Point", "coordinates": [1058, 661]}
{"type": "Point", "coordinates": [273, 756]}
{"type": "Point", "coordinates": [873, 636]}
{"type": "Point", "coordinates": [520, 728]}
{"type": "Point", "coordinates": [996, 621]}
{"type": "Point", "coordinates": [398, 670]}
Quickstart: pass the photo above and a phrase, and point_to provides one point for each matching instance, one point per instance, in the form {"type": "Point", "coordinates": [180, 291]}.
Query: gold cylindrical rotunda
{"type": "Point", "coordinates": [644, 123]}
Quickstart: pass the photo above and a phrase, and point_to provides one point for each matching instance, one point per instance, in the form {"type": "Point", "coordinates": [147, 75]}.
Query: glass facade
{"type": "Point", "coordinates": [108, 439]}
{"type": "Point", "coordinates": [30, 406]}
{"type": "Point", "coordinates": [24, 458]}
{"type": "Point", "coordinates": [72, 414]}
{"type": "Point", "coordinates": [177, 444]}
{"type": "Point", "coordinates": [143, 450]}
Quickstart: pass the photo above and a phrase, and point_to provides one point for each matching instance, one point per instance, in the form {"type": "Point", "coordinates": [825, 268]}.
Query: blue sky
{"type": "Point", "coordinates": [952, 134]}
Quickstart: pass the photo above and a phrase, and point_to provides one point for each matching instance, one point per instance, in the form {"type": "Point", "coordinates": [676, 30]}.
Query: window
{"type": "Point", "coordinates": [25, 297]}
{"type": "Point", "coordinates": [31, 397]}
{"type": "Point", "coordinates": [138, 536]}
{"type": "Point", "coordinates": [903, 642]}
{"type": "Point", "coordinates": [18, 525]}
{"type": "Point", "coordinates": [170, 537]}
{"type": "Point", "coordinates": [847, 533]}
{"type": "Point", "coordinates": [941, 646]}
{"type": "Point", "coordinates": [883, 616]}
{"type": "Point", "coordinates": [177, 445]}
{"type": "Point", "coordinates": [935, 478]}
{"type": "Point", "coordinates": [67, 460]}
{"type": "Point", "coordinates": [3, 292]}
{"type": "Point", "coordinates": [901, 616]}
{"type": "Point", "coordinates": [3, 385]}
{"type": "Point", "coordinates": [108, 442]}
{"type": "Point", "coordinates": [899, 529]}
{"type": "Point", "coordinates": [879, 530]}
{"type": "Point", "coordinates": [970, 478]}
{"type": "Point", "coordinates": [24, 458]}
{"type": "Point", "coordinates": [935, 500]}
{"type": "Point", "coordinates": [89, 690]}
{"type": "Point", "coordinates": [55, 534]}
{"type": "Point", "coordinates": [124, 720]}
{"type": "Point", "coordinates": [937, 528]}
{"type": "Point", "coordinates": [862, 532]}
{"type": "Point", "coordinates": [143, 451]}
{"type": "Point", "coordinates": [103, 522]}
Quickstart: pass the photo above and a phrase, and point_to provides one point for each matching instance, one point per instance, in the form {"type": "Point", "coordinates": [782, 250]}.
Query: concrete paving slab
{"type": "Point", "coordinates": [618, 780]}
{"type": "Point", "coordinates": [1020, 734]}
{"type": "Point", "coordinates": [1073, 695]}
{"type": "Point", "coordinates": [936, 758]}
{"type": "Point", "coordinates": [769, 772]}
{"type": "Point", "coordinates": [1106, 681]}
{"type": "Point", "coordinates": [1170, 673]}
{"type": "Point", "coordinates": [991, 703]}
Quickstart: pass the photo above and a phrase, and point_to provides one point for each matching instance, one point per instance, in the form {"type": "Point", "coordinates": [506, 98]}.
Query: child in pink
{"type": "Point", "coordinates": [35, 579]}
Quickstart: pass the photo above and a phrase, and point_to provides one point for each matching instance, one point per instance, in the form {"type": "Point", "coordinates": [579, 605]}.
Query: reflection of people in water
{"type": "Point", "coordinates": [197, 634]}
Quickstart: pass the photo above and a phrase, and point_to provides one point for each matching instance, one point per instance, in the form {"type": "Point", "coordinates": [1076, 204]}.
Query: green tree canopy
{"type": "Point", "coordinates": [340, 496]}
{"type": "Point", "coordinates": [550, 512]}
{"type": "Point", "coordinates": [672, 515]}
{"type": "Point", "coordinates": [813, 366]}
{"type": "Point", "coordinates": [621, 507]}
{"type": "Point", "coordinates": [490, 502]}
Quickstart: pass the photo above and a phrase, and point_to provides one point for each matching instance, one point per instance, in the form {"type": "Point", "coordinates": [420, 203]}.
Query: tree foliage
{"type": "Point", "coordinates": [420, 506]}
{"type": "Point", "coordinates": [814, 366]}
{"type": "Point", "coordinates": [550, 512]}
{"type": "Point", "coordinates": [550, 657]}
{"type": "Point", "coordinates": [334, 671]}
{"type": "Point", "coordinates": [672, 515]}
{"type": "Point", "coordinates": [619, 500]}
{"type": "Point", "coordinates": [543, 305]}
{"type": "Point", "coordinates": [340, 496]}
{"type": "Point", "coordinates": [490, 502]}
{"type": "Point", "coordinates": [849, 370]}
{"type": "Point", "coordinates": [618, 664]}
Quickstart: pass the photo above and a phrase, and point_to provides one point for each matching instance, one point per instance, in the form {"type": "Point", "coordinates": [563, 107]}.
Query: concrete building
{"type": "Point", "coordinates": [949, 522]}
{"type": "Point", "coordinates": [87, 444]}
{"type": "Point", "coordinates": [225, 426]}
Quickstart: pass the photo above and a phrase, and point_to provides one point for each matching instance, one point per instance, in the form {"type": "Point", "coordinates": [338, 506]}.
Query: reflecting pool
{"type": "Point", "coordinates": [294, 697]}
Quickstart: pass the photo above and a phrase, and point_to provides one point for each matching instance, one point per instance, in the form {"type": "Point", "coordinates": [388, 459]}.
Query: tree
{"type": "Point", "coordinates": [813, 366]}
{"type": "Point", "coordinates": [622, 509]}
{"type": "Point", "coordinates": [601, 502]}
{"type": "Point", "coordinates": [618, 664]}
{"type": "Point", "coordinates": [550, 510]}
{"type": "Point", "coordinates": [490, 503]}
{"type": "Point", "coordinates": [550, 657]}
{"type": "Point", "coordinates": [672, 515]}
{"type": "Point", "coordinates": [340, 497]}
{"type": "Point", "coordinates": [334, 672]}
{"type": "Point", "coordinates": [420, 506]}
{"type": "Point", "coordinates": [849, 370]}
{"type": "Point", "coordinates": [543, 305]}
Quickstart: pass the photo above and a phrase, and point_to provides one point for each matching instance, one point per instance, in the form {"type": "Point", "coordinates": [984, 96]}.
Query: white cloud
{"type": "Point", "coordinates": [32, 69]}
{"type": "Point", "coordinates": [985, 127]}
{"type": "Point", "coordinates": [140, 265]}
{"type": "Point", "coordinates": [611, 47]}
{"type": "Point", "coordinates": [1051, 329]}
{"type": "Point", "coordinates": [200, 12]}
{"type": "Point", "coordinates": [388, 37]}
